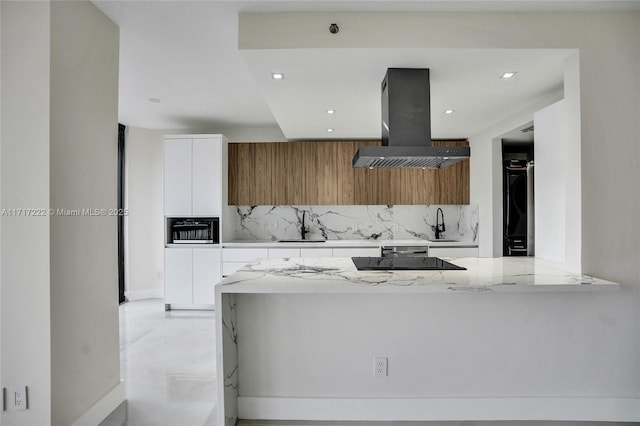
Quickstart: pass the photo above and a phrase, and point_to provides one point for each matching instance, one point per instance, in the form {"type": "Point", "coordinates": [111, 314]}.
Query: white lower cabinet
{"type": "Point", "coordinates": [277, 253]}
{"type": "Point", "coordinates": [234, 258]}
{"type": "Point", "coordinates": [206, 273]}
{"type": "Point", "coordinates": [453, 251]}
{"type": "Point", "coordinates": [315, 252]}
{"type": "Point", "coordinates": [357, 252]}
{"type": "Point", "coordinates": [190, 275]}
{"type": "Point", "coordinates": [178, 276]}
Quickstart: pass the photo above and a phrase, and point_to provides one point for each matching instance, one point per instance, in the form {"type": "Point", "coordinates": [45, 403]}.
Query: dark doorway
{"type": "Point", "coordinates": [121, 130]}
{"type": "Point", "coordinates": [517, 198]}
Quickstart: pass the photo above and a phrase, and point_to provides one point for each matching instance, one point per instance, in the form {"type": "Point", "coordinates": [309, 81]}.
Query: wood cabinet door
{"type": "Point", "coordinates": [320, 173]}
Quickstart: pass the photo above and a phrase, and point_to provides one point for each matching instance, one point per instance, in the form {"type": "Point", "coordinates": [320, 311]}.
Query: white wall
{"type": "Point", "coordinates": [573, 165]}
{"type": "Point", "coordinates": [84, 281]}
{"type": "Point", "coordinates": [550, 181]}
{"type": "Point", "coordinates": [145, 220]}
{"type": "Point", "coordinates": [251, 134]}
{"type": "Point", "coordinates": [583, 333]}
{"type": "Point", "coordinates": [451, 347]}
{"type": "Point", "coordinates": [24, 177]}
{"type": "Point", "coordinates": [58, 274]}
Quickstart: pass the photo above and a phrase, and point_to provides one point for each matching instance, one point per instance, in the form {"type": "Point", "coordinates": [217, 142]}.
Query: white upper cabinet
{"type": "Point", "coordinates": [207, 177]}
{"type": "Point", "coordinates": [193, 175]}
{"type": "Point", "coordinates": [177, 177]}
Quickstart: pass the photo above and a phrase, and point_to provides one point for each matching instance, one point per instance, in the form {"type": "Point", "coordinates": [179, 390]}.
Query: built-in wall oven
{"type": "Point", "coordinates": [193, 230]}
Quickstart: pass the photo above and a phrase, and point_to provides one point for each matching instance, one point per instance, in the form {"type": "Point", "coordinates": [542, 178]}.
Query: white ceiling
{"type": "Point", "coordinates": [185, 53]}
{"type": "Point", "coordinates": [348, 80]}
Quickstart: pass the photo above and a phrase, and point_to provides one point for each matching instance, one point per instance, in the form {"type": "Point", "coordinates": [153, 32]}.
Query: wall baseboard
{"type": "Point", "coordinates": [156, 293]}
{"type": "Point", "coordinates": [440, 409]}
{"type": "Point", "coordinates": [101, 409]}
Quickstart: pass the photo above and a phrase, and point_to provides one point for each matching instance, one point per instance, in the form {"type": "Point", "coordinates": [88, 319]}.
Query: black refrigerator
{"type": "Point", "coordinates": [518, 208]}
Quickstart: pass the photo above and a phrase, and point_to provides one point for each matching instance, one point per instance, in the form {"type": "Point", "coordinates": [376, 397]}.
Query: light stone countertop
{"type": "Point", "coordinates": [339, 275]}
{"type": "Point", "coordinates": [348, 243]}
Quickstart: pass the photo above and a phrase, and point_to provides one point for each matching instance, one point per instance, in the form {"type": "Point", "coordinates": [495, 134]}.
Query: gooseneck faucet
{"type": "Point", "coordinates": [303, 229]}
{"type": "Point", "coordinates": [439, 228]}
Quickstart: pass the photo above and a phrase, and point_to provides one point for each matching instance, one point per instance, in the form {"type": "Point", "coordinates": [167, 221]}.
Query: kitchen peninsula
{"type": "Point", "coordinates": [297, 338]}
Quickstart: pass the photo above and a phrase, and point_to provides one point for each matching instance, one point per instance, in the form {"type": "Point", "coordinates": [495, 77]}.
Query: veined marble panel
{"type": "Point", "coordinates": [339, 275]}
{"type": "Point", "coordinates": [227, 359]}
{"type": "Point", "coordinates": [354, 222]}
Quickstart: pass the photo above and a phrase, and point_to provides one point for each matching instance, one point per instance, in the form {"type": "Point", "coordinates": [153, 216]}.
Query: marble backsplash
{"type": "Point", "coordinates": [354, 222]}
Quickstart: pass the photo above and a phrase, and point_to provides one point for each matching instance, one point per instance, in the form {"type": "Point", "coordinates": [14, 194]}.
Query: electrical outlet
{"type": "Point", "coordinates": [380, 367]}
{"type": "Point", "coordinates": [273, 225]}
{"type": "Point", "coordinates": [394, 227]}
{"type": "Point", "coordinates": [18, 398]}
{"type": "Point", "coordinates": [354, 227]}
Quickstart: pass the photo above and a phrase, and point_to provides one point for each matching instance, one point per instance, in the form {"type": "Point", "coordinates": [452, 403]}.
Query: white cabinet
{"type": "Point", "coordinates": [206, 273]}
{"type": "Point", "coordinates": [193, 175]}
{"type": "Point", "coordinates": [178, 276]}
{"type": "Point", "coordinates": [277, 253]}
{"type": "Point", "coordinates": [177, 177]}
{"type": "Point", "coordinates": [234, 258]}
{"type": "Point", "coordinates": [453, 251]}
{"type": "Point", "coordinates": [315, 252]}
{"type": "Point", "coordinates": [207, 177]}
{"type": "Point", "coordinates": [193, 186]}
{"type": "Point", "coordinates": [190, 275]}
{"type": "Point", "coordinates": [357, 252]}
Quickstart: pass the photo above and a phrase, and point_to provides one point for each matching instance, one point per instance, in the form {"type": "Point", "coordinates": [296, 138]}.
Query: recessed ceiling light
{"type": "Point", "coordinates": [449, 111]}
{"type": "Point", "coordinates": [277, 75]}
{"type": "Point", "coordinates": [329, 130]}
{"type": "Point", "coordinates": [331, 111]}
{"type": "Point", "coordinates": [509, 74]}
{"type": "Point", "coordinates": [155, 100]}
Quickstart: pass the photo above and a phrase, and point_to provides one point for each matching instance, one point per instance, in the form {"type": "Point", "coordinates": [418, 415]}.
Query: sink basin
{"type": "Point", "coordinates": [443, 240]}
{"type": "Point", "coordinates": [301, 241]}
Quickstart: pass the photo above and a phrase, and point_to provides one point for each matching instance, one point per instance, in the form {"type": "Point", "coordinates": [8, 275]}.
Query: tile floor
{"type": "Point", "coordinates": [167, 361]}
{"type": "Point", "coordinates": [168, 365]}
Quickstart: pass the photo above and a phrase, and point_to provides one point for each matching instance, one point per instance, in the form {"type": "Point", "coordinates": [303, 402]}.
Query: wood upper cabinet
{"type": "Point", "coordinates": [320, 173]}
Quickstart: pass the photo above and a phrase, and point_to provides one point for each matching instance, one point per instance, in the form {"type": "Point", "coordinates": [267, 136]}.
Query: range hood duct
{"type": "Point", "coordinates": [406, 127]}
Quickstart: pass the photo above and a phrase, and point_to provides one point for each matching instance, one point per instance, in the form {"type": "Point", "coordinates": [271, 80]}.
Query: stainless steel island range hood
{"type": "Point", "coordinates": [406, 127]}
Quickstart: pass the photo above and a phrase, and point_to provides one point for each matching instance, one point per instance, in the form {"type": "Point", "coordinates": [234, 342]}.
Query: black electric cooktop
{"type": "Point", "coordinates": [403, 264]}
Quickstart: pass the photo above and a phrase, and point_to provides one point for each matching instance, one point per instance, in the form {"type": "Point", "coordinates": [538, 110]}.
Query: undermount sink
{"type": "Point", "coordinates": [301, 241]}
{"type": "Point", "coordinates": [444, 240]}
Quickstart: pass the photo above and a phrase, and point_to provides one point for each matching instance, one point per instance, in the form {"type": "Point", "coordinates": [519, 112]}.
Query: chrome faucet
{"type": "Point", "coordinates": [439, 228]}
